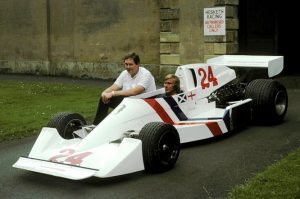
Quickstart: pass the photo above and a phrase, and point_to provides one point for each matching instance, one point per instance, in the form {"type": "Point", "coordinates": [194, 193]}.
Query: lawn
{"type": "Point", "coordinates": [25, 107]}
{"type": "Point", "coordinates": [280, 180]}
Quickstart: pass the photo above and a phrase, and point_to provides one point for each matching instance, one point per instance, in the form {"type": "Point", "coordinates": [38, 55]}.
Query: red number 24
{"type": "Point", "coordinates": [207, 77]}
{"type": "Point", "coordinates": [66, 155]}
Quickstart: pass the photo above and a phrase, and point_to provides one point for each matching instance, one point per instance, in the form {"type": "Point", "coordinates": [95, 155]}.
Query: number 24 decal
{"type": "Point", "coordinates": [207, 77]}
{"type": "Point", "coordinates": [66, 155]}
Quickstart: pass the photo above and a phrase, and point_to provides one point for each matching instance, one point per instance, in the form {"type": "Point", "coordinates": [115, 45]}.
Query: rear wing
{"type": "Point", "coordinates": [274, 64]}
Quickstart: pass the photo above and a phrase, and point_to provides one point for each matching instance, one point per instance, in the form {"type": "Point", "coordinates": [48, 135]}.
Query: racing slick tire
{"type": "Point", "coordinates": [161, 146]}
{"type": "Point", "coordinates": [269, 101]}
{"type": "Point", "coordinates": [66, 123]}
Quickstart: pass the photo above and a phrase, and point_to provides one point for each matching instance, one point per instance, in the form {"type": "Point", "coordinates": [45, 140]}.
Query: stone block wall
{"type": "Point", "coordinates": [88, 38]}
{"type": "Point", "coordinates": [169, 35]}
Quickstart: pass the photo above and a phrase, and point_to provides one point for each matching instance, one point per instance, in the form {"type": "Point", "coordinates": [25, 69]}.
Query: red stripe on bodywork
{"type": "Point", "coordinates": [214, 128]}
{"type": "Point", "coordinates": [159, 110]}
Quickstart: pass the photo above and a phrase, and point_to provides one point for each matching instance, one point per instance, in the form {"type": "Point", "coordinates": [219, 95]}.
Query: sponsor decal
{"type": "Point", "coordinates": [181, 98]}
{"type": "Point", "coordinates": [175, 108]}
{"type": "Point", "coordinates": [192, 95]}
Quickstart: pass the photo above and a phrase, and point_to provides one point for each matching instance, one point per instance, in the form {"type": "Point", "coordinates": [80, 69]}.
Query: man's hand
{"type": "Point", "coordinates": [106, 96]}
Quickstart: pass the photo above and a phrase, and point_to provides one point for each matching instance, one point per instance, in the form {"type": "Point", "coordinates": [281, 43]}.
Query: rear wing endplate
{"type": "Point", "coordinates": [274, 64]}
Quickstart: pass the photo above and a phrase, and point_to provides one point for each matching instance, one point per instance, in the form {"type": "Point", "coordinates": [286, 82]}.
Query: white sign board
{"type": "Point", "coordinates": [214, 21]}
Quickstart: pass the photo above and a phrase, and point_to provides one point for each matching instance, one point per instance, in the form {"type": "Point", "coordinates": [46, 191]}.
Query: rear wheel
{"type": "Point", "coordinates": [66, 123]}
{"type": "Point", "coordinates": [270, 100]}
{"type": "Point", "coordinates": [161, 146]}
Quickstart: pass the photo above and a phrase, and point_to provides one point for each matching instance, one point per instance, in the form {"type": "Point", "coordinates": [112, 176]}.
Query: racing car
{"type": "Point", "coordinates": [145, 131]}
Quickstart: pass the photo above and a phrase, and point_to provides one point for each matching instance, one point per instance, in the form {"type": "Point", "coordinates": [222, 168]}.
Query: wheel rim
{"type": "Point", "coordinates": [168, 148]}
{"type": "Point", "coordinates": [72, 126]}
{"type": "Point", "coordinates": [280, 102]}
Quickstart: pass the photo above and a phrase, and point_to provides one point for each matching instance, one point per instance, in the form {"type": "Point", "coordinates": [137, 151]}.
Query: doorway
{"type": "Point", "coordinates": [265, 30]}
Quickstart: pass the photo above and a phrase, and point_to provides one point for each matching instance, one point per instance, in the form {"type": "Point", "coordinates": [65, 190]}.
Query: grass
{"type": "Point", "coordinates": [280, 180]}
{"type": "Point", "coordinates": [25, 107]}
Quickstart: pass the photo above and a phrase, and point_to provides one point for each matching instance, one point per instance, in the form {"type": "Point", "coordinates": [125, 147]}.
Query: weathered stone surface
{"type": "Point", "coordinates": [169, 26]}
{"type": "Point", "coordinates": [5, 66]}
{"type": "Point", "coordinates": [208, 48]}
{"type": "Point", "coordinates": [165, 26]}
{"type": "Point", "coordinates": [169, 37]}
{"type": "Point", "coordinates": [169, 48]}
{"type": "Point", "coordinates": [36, 30]}
{"type": "Point", "coordinates": [153, 68]}
{"type": "Point", "coordinates": [166, 14]}
{"type": "Point", "coordinates": [232, 24]}
{"type": "Point", "coordinates": [164, 70]}
{"type": "Point", "coordinates": [226, 2]}
{"type": "Point", "coordinates": [30, 67]}
{"type": "Point", "coordinates": [168, 3]}
{"type": "Point", "coordinates": [206, 57]}
{"type": "Point", "coordinates": [169, 59]}
{"type": "Point", "coordinates": [89, 39]}
{"type": "Point", "coordinates": [225, 48]}
{"type": "Point", "coordinates": [231, 11]}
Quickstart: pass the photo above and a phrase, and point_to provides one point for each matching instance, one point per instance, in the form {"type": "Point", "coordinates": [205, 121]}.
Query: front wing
{"type": "Point", "coordinates": [53, 168]}
{"type": "Point", "coordinates": [55, 156]}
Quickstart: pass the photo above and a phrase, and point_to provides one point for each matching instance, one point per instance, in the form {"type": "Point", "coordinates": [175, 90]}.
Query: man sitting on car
{"type": "Point", "coordinates": [132, 81]}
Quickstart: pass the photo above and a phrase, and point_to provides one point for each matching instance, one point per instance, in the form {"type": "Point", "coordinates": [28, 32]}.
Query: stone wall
{"type": "Point", "coordinates": [77, 38]}
{"type": "Point", "coordinates": [23, 35]}
{"type": "Point", "coordinates": [88, 38]}
{"type": "Point", "coordinates": [185, 38]}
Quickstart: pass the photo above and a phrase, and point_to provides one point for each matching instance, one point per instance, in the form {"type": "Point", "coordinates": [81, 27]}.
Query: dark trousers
{"type": "Point", "coordinates": [102, 109]}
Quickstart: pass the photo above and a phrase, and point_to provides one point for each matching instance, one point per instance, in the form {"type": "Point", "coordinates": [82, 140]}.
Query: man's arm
{"type": "Point", "coordinates": [113, 87]}
{"type": "Point", "coordinates": [114, 90]}
{"type": "Point", "coordinates": [130, 92]}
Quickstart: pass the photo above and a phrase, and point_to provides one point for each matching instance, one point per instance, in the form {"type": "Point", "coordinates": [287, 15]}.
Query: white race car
{"type": "Point", "coordinates": [145, 132]}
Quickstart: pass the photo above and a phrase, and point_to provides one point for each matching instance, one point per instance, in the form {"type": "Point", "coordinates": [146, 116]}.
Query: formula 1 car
{"type": "Point", "coordinates": [145, 132]}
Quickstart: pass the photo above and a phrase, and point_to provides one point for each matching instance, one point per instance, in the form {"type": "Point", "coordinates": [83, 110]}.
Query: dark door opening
{"type": "Point", "coordinates": [265, 29]}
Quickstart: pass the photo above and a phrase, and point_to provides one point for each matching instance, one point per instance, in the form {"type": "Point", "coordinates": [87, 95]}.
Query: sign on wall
{"type": "Point", "coordinates": [214, 21]}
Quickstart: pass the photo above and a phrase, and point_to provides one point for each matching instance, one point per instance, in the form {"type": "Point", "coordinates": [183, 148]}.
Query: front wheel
{"type": "Point", "coordinates": [66, 123]}
{"type": "Point", "coordinates": [161, 146]}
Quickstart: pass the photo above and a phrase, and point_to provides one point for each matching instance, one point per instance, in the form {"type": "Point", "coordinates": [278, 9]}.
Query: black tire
{"type": "Point", "coordinates": [66, 123]}
{"type": "Point", "coordinates": [270, 101]}
{"type": "Point", "coordinates": [161, 146]}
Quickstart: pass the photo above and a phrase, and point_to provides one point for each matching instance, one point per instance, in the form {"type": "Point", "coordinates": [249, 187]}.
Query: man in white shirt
{"type": "Point", "coordinates": [133, 80]}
